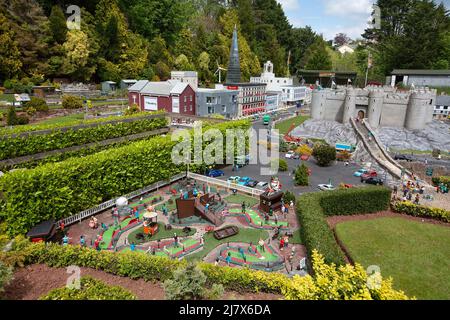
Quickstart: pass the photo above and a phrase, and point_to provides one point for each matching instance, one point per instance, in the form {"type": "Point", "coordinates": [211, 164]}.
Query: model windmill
{"type": "Point", "coordinates": [219, 71]}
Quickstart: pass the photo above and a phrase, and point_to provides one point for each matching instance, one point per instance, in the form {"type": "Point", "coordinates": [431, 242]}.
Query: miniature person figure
{"type": "Point", "coordinates": [164, 209]}
{"type": "Point", "coordinates": [132, 246]}
{"type": "Point", "coordinates": [82, 241]}
{"type": "Point", "coordinates": [261, 244]}
{"type": "Point", "coordinates": [228, 259]}
{"type": "Point", "coordinates": [276, 218]}
{"type": "Point", "coordinates": [92, 223]}
{"type": "Point", "coordinates": [417, 199]}
{"type": "Point", "coordinates": [136, 214]}
{"type": "Point", "coordinates": [95, 222]}
{"type": "Point", "coordinates": [175, 237]}
{"type": "Point", "coordinates": [281, 244]}
{"type": "Point", "coordinates": [270, 212]}
{"type": "Point", "coordinates": [292, 204]}
{"type": "Point", "coordinates": [61, 226]}
{"type": "Point", "coordinates": [286, 241]}
{"type": "Point", "coordinates": [243, 207]}
{"type": "Point", "coordinates": [104, 226]}
{"type": "Point", "coordinates": [216, 263]}
{"type": "Point", "coordinates": [65, 240]}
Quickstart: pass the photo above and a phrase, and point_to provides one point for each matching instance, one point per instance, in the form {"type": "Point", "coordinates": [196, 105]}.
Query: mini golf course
{"type": "Point", "coordinates": [255, 219]}
{"type": "Point", "coordinates": [255, 257]}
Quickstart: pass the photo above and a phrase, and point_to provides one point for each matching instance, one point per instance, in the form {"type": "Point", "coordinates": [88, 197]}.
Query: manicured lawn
{"type": "Point", "coordinates": [239, 198]}
{"type": "Point", "coordinates": [70, 119]}
{"type": "Point", "coordinates": [244, 235]}
{"type": "Point", "coordinates": [283, 126]}
{"type": "Point", "coordinates": [161, 234]}
{"type": "Point", "coordinates": [416, 255]}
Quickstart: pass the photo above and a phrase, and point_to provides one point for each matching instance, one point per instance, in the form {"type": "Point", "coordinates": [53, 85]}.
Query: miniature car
{"type": "Point", "coordinates": [374, 181]}
{"type": "Point", "coordinates": [369, 174]}
{"type": "Point", "coordinates": [234, 179]}
{"type": "Point", "coordinates": [215, 173]}
{"type": "Point", "coordinates": [326, 187]}
{"type": "Point", "coordinates": [290, 155]}
{"type": "Point", "coordinates": [252, 183]}
{"type": "Point", "coordinates": [360, 172]}
{"type": "Point", "coordinates": [243, 181]}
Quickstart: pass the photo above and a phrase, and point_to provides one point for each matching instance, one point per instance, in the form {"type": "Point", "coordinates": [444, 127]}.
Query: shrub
{"type": "Point", "coordinates": [329, 283]}
{"type": "Point", "coordinates": [301, 175]}
{"type": "Point", "coordinates": [132, 109]}
{"type": "Point", "coordinates": [444, 180]}
{"type": "Point", "coordinates": [282, 165]}
{"type": "Point", "coordinates": [6, 275]}
{"type": "Point", "coordinates": [38, 104]}
{"type": "Point", "coordinates": [189, 283]}
{"type": "Point", "coordinates": [304, 150]}
{"type": "Point", "coordinates": [312, 209]}
{"type": "Point", "coordinates": [22, 120]}
{"type": "Point", "coordinates": [72, 102]}
{"type": "Point", "coordinates": [11, 147]}
{"type": "Point", "coordinates": [90, 289]}
{"type": "Point", "coordinates": [421, 211]}
{"type": "Point", "coordinates": [324, 154]}
{"type": "Point", "coordinates": [288, 197]}
{"type": "Point", "coordinates": [11, 116]}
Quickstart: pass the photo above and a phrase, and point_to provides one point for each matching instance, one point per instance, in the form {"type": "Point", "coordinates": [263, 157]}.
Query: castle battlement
{"type": "Point", "coordinates": [382, 105]}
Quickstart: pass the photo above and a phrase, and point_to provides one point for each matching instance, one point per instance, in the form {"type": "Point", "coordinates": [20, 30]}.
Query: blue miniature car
{"type": "Point", "coordinates": [360, 172]}
{"type": "Point", "coordinates": [215, 173]}
{"type": "Point", "coordinates": [243, 181]}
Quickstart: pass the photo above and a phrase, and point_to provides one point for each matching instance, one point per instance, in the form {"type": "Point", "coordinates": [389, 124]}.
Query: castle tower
{"type": "Point", "coordinates": [375, 108]}
{"type": "Point", "coordinates": [319, 99]}
{"type": "Point", "coordinates": [234, 67]}
{"type": "Point", "coordinates": [417, 110]}
{"type": "Point", "coordinates": [349, 105]}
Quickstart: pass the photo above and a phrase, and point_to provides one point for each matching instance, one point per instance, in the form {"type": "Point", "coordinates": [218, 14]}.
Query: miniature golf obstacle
{"type": "Point", "coordinates": [150, 222]}
{"type": "Point", "coordinates": [226, 232]}
{"type": "Point", "coordinates": [270, 200]}
{"type": "Point", "coordinates": [122, 207]}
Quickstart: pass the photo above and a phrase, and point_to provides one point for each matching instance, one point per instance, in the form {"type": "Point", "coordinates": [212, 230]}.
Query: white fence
{"type": "Point", "coordinates": [226, 184]}
{"type": "Point", "coordinates": [111, 203]}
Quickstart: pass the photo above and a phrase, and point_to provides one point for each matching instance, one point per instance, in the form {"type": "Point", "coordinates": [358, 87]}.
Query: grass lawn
{"type": "Point", "coordinates": [244, 235]}
{"type": "Point", "coordinates": [70, 119]}
{"type": "Point", "coordinates": [416, 255]}
{"type": "Point", "coordinates": [239, 198]}
{"type": "Point", "coordinates": [170, 207]}
{"type": "Point", "coordinates": [7, 97]}
{"type": "Point", "coordinates": [283, 126]}
{"type": "Point", "coordinates": [161, 234]}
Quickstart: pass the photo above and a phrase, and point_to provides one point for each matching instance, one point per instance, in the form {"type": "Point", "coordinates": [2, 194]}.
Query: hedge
{"type": "Point", "coordinates": [7, 131]}
{"type": "Point", "coordinates": [444, 179]}
{"type": "Point", "coordinates": [29, 196]}
{"type": "Point", "coordinates": [421, 211]}
{"type": "Point", "coordinates": [329, 283]}
{"type": "Point", "coordinates": [313, 208]}
{"type": "Point", "coordinates": [90, 289]}
{"type": "Point", "coordinates": [12, 147]}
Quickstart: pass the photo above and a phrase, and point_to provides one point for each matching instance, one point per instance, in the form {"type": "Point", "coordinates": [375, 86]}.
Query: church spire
{"type": "Point", "coordinates": [234, 67]}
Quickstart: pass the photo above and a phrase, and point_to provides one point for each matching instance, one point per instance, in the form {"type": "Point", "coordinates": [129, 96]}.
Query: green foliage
{"type": "Point", "coordinates": [421, 211]}
{"type": "Point", "coordinates": [12, 147]}
{"type": "Point", "coordinates": [72, 102]}
{"type": "Point", "coordinates": [282, 164]}
{"type": "Point", "coordinates": [312, 208]}
{"type": "Point", "coordinates": [301, 175]}
{"type": "Point", "coordinates": [65, 188]}
{"type": "Point", "coordinates": [6, 275]}
{"type": "Point", "coordinates": [58, 26]}
{"type": "Point", "coordinates": [132, 110]}
{"type": "Point", "coordinates": [138, 265]}
{"type": "Point", "coordinates": [38, 104]}
{"type": "Point", "coordinates": [317, 56]}
{"type": "Point", "coordinates": [90, 289]}
{"type": "Point", "coordinates": [11, 116]}
{"type": "Point", "coordinates": [288, 197]}
{"type": "Point", "coordinates": [189, 283]}
{"type": "Point", "coordinates": [324, 154]}
{"type": "Point", "coordinates": [443, 179]}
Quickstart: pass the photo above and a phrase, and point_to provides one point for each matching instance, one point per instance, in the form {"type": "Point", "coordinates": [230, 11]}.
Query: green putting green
{"type": "Point", "coordinates": [257, 219]}
{"type": "Point", "coordinates": [161, 234]}
{"type": "Point", "coordinates": [252, 257]}
{"type": "Point", "coordinates": [239, 198]}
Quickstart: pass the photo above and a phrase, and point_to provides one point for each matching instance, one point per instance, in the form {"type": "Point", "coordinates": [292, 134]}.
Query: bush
{"type": "Point", "coordinates": [38, 104]}
{"type": "Point", "coordinates": [444, 180]}
{"type": "Point", "coordinates": [132, 110]}
{"type": "Point", "coordinates": [282, 164]}
{"type": "Point", "coordinates": [288, 197]}
{"type": "Point", "coordinates": [330, 282]}
{"type": "Point", "coordinates": [421, 211]}
{"type": "Point", "coordinates": [301, 175]}
{"type": "Point", "coordinates": [312, 209]}
{"type": "Point", "coordinates": [6, 275]}
{"type": "Point", "coordinates": [304, 150]}
{"type": "Point", "coordinates": [90, 289]}
{"type": "Point", "coordinates": [68, 187]}
{"type": "Point", "coordinates": [30, 111]}
{"type": "Point", "coordinates": [324, 154]}
{"type": "Point", "coordinates": [72, 102]}
{"type": "Point", "coordinates": [11, 116]}
{"type": "Point", "coordinates": [189, 283]}
{"type": "Point", "coordinates": [22, 120]}
{"type": "Point", "coordinates": [22, 145]}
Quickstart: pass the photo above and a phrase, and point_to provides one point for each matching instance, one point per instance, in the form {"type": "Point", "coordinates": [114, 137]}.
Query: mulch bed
{"type": "Point", "coordinates": [34, 281]}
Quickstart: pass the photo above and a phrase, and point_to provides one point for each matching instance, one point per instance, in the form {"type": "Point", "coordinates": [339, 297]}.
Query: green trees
{"type": "Point", "coordinates": [317, 56]}
{"type": "Point", "coordinates": [302, 175]}
{"type": "Point", "coordinates": [6, 274]}
{"type": "Point", "coordinates": [10, 63]}
{"type": "Point", "coordinates": [72, 102]}
{"type": "Point", "coordinates": [58, 26]}
{"type": "Point", "coordinates": [324, 154]}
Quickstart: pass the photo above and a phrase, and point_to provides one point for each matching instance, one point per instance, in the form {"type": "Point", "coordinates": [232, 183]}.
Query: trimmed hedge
{"type": "Point", "coordinates": [313, 208]}
{"type": "Point", "coordinates": [444, 179]}
{"type": "Point", "coordinates": [57, 139]}
{"type": "Point", "coordinates": [29, 196]}
{"type": "Point", "coordinates": [90, 289]}
{"type": "Point", "coordinates": [331, 283]}
{"type": "Point", "coordinates": [421, 211]}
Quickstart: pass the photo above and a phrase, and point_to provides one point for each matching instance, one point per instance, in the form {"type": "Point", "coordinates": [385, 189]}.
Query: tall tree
{"type": "Point", "coordinates": [58, 25]}
{"type": "Point", "coordinates": [317, 56]}
{"type": "Point", "coordinates": [10, 63]}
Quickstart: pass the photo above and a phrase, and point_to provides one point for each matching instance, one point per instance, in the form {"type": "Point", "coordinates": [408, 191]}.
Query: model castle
{"type": "Point", "coordinates": [382, 106]}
